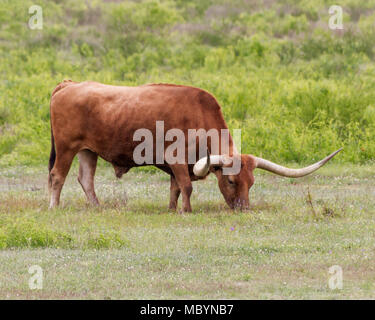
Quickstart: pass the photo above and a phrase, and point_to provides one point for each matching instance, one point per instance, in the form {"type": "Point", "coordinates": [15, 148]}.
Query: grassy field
{"type": "Point", "coordinates": [133, 247]}
{"type": "Point", "coordinates": [296, 88]}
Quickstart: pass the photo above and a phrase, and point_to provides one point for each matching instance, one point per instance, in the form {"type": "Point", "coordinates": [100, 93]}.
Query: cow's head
{"type": "Point", "coordinates": [235, 187]}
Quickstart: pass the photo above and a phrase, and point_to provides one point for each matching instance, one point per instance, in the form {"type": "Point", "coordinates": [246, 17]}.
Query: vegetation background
{"type": "Point", "coordinates": [297, 89]}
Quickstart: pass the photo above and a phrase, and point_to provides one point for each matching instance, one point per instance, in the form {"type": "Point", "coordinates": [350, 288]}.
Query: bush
{"type": "Point", "coordinates": [296, 88]}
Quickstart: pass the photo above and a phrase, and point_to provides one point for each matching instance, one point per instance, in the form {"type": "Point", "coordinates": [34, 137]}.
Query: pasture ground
{"type": "Point", "coordinates": [133, 247]}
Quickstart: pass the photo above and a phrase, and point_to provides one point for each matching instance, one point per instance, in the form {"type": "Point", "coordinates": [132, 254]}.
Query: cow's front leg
{"type": "Point", "coordinates": [181, 173]}
{"type": "Point", "coordinates": [175, 193]}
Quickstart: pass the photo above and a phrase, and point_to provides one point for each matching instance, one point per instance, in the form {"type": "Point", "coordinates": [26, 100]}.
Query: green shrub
{"type": "Point", "coordinates": [296, 88]}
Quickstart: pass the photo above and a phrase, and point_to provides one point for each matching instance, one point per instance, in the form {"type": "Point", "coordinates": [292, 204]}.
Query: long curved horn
{"type": "Point", "coordinates": [202, 167]}
{"type": "Point", "coordinates": [292, 173]}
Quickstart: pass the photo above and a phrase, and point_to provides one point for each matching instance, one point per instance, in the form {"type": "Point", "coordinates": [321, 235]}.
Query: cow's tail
{"type": "Point", "coordinates": [52, 156]}
{"type": "Point", "coordinates": [52, 159]}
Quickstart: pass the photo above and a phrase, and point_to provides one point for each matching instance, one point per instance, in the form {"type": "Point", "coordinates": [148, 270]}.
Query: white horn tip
{"type": "Point", "coordinates": [332, 155]}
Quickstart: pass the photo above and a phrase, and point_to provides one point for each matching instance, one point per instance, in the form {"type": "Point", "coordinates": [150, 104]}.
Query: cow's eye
{"type": "Point", "coordinates": [230, 180]}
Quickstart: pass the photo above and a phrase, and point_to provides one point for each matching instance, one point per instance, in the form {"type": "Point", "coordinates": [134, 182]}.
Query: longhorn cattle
{"type": "Point", "coordinates": [90, 119]}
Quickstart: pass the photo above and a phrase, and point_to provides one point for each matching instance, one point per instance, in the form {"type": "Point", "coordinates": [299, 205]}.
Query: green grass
{"type": "Point", "coordinates": [133, 247]}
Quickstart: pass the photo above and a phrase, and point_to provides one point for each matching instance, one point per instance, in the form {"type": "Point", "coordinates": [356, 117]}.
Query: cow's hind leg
{"type": "Point", "coordinates": [182, 176]}
{"type": "Point", "coordinates": [174, 193]}
{"type": "Point", "coordinates": [58, 174]}
{"type": "Point", "coordinates": [87, 166]}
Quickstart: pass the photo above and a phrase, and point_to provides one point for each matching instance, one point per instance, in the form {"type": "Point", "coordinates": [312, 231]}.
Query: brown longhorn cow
{"type": "Point", "coordinates": [92, 119]}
